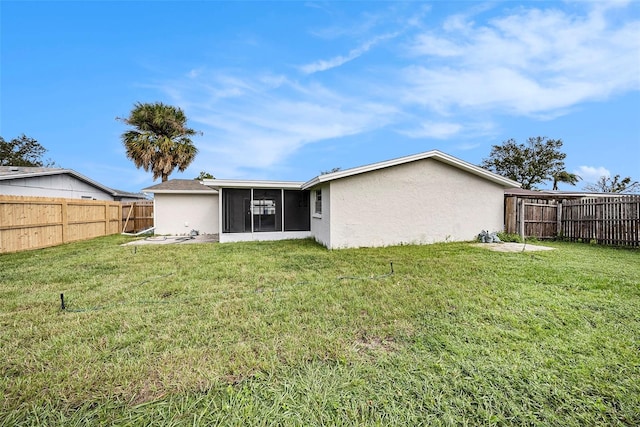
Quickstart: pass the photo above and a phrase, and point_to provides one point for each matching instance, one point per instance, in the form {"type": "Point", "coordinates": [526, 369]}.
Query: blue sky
{"type": "Point", "coordinates": [285, 90]}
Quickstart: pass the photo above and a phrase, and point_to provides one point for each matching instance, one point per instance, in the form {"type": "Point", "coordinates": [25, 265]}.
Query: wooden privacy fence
{"type": "Point", "coordinates": [531, 217]}
{"type": "Point", "coordinates": [608, 221]}
{"type": "Point", "coordinates": [39, 222]}
{"type": "Point", "coordinates": [137, 216]}
{"type": "Point", "coordinates": [605, 220]}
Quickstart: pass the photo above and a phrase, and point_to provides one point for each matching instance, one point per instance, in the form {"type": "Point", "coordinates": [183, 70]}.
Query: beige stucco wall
{"type": "Point", "coordinates": [320, 224]}
{"type": "Point", "coordinates": [178, 214]}
{"type": "Point", "coordinates": [419, 202]}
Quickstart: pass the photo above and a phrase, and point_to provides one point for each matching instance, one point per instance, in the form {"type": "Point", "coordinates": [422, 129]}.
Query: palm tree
{"type": "Point", "coordinates": [160, 141]}
{"type": "Point", "coordinates": [566, 177]}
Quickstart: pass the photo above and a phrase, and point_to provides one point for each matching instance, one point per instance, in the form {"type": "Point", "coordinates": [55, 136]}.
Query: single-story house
{"type": "Point", "coordinates": [57, 182]}
{"type": "Point", "coordinates": [423, 198]}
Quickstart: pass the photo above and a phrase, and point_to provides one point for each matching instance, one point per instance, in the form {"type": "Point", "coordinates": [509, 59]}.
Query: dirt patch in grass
{"type": "Point", "coordinates": [375, 344]}
{"type": "Point", "coordinates": [512, 247]}
{"type": "Point", "coordinates": [168, 240]}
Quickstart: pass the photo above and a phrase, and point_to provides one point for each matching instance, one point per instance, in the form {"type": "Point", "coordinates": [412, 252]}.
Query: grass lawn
{"type": "Point", "coordinates": [289, 333]}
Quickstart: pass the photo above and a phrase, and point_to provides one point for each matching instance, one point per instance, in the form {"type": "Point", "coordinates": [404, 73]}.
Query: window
{"type": "Point", "coordinates": [263, 207]}
{"type": "Point", "coordinates": [318, 204]}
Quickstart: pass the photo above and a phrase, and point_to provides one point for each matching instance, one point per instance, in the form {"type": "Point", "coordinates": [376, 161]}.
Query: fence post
{"type": "Point", "coordinates": [521, 225]}
{"type": "Point", "coordinates": [510, 214]}
{"type": "Point", "coordinates": [559, 219]}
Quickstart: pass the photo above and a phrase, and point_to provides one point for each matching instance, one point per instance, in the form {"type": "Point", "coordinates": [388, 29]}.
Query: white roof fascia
{"type": "Point", "coordinates": [23, 174]}
{"type": "Point", "coordinates": [211, 191]}
{"type": "Point", "coordinates": [434, 154]}
{"type": "Point", "coordinates": [237, 183]}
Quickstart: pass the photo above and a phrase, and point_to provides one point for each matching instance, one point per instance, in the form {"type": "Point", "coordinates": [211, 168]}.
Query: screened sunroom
{"type": "Point", "coordinates": [263, 210]}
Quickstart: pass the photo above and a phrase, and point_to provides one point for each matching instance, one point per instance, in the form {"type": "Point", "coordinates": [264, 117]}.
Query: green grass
{"type": "Point", "coordinates": [288, 333]}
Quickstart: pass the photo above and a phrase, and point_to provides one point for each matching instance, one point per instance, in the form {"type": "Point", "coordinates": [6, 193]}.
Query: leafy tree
{"type": "Point", "coordinates": [614, 185]}
{"type": "Point", "coordinates": [160, 139]}
{"type": "Point", "coordinates": [204, 175]}
{"type": "Point", "coordinates": [23, 151]}
{"type": "Point", "coordinates": [566, 177]}
{"type": "Point", "coordinates": [531, 164]}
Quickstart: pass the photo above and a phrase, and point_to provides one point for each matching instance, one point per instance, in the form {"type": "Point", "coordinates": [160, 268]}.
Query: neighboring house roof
{"type": "Point", "coordinates": [555, 194]}
{"type": "Point", "coordinates": [433, 154]}
{"type": "Point", "coordinates": [127, 194]}
{"type": "Point", "coordinates": [178, 186]}
{"type": "Point", "coordinates": [21, 172]}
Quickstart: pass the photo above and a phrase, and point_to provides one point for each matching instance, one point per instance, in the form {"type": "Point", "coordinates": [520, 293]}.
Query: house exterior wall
{"type": "Point", "coordinates": [62, 185]}
{"type": "Point", "coordinates": [425, 201]}
{"type": "Point", "coordinates": [321, 224]}
{"type": "Point", "coordinates": [178, 214]}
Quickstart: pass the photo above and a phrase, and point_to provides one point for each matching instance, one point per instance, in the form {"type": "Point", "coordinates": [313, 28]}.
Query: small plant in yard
{"type": "Point", "coordinates": [289, 333]}
{"type": "Point", "coordinates": [509, 237]}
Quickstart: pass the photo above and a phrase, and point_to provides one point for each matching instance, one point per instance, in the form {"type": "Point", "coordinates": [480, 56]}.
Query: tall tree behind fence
{"type": "Point", "coordinates": [608, 221]}
{"type": "Point", "coordinates": [39, 222]}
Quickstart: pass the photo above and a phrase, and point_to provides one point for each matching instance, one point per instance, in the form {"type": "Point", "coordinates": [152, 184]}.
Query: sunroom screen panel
{"type": "Point", "coordinates": [236, 210]}
{"type": "Point", "coordinates": [297, 214]}
{"type": "Point", "coordinates": [266, 207]}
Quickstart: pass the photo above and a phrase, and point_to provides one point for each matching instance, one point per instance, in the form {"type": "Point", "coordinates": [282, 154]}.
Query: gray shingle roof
{"type": "Point", "coordinates": [27, 170]}
{"type": "Point", "coordinates": [179, 185]}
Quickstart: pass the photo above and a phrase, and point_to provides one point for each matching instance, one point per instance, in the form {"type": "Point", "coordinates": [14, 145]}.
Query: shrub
{"type": "Point", "coordinates": [509, 237]}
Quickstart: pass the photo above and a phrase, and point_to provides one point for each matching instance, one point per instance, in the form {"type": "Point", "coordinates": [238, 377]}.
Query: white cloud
{"type": "Point", "coordinates": [323, 65]}
{"type": "Point", "coordinates": [467, 146]}
{"type": "Point", "coordinates": [591, 173]}
{"type": "Point", "coordinates": [255, 122]}
{"type": "Point", "coordinates": [429, 44]}
{"type": "Point", "coordinates": [441, 130]}
{"type": "Point", "coordinates": [194, 73]}
{"type": "Point", "coordinates": [530, 62]}
{"type": "Point", "coordinates": [446, 83]}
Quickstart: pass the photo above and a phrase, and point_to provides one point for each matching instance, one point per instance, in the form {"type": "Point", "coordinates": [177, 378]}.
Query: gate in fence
{"type": "Point", "coordinates": [137, 216]}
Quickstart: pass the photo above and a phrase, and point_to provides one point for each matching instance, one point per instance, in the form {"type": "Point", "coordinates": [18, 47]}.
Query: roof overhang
{"type": "Point", "coordinates": [433, 154]}
{"type": "Point", "coordinates": [210, 191]}
{"type": "Point", "coordinates": [237, 183]}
